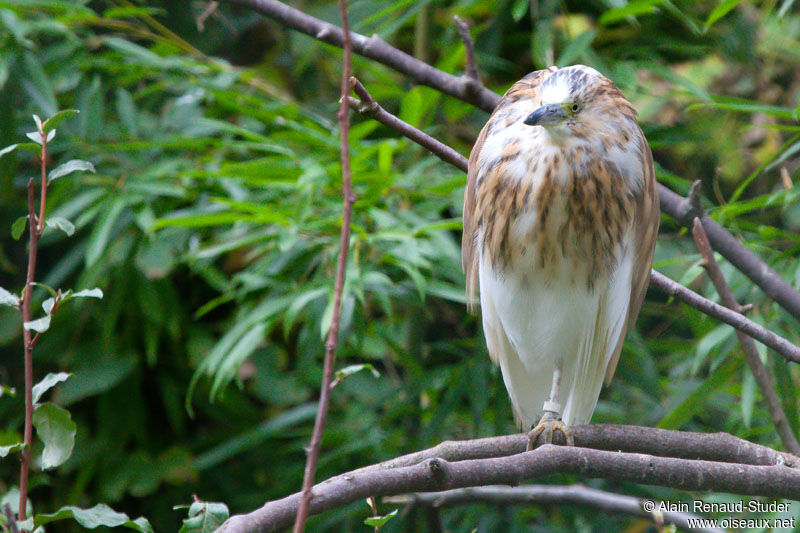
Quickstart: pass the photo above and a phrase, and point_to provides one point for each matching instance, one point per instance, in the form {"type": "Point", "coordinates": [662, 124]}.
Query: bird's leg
{"type": "Point", "coordinates": [550, 417]}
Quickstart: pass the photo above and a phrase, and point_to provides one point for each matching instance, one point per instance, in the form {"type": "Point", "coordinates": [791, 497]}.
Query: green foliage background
{"type": "Point", "coordinates": [212, 227]}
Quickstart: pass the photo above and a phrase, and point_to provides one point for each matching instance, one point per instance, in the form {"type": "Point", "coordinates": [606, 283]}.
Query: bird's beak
{"type": "Point", "coordinates": [546, 115]}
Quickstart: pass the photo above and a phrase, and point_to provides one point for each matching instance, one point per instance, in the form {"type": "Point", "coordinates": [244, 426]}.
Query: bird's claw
{"type": "Point", "coordinates": [546, 428]}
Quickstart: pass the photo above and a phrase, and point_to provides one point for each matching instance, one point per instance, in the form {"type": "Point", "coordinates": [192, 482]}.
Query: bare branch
{"type": "Point", "coordinates": [12, 521]}
{"type": "Point", "coordinates": [470, 66]}
{"type": "Point", "coordinates": [341, 266]}
{"type": "Point", "coordinates": [558, 494]}
{"type": "Point", "coordinates": [760, 373]}
{"type": "Point", "coordinates": [672, 203]}
{"type": "Point", "coordinates": [377, 49]}
{"type": "Point", "coordinates": [207, 12]}
{"type": "Point", "coordinates": [369, 107]}
{"type": "Point", "coordinates": [436, 474]}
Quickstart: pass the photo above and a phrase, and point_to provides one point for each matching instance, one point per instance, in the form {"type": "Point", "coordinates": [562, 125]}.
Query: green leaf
{"type": "Point", "coordinates": [7, 391]}
{"type": "Point", "coordinates": [49, 381]}
{"type": "Point", "coordinates": [631, 9]}
{"type": "Point", "coordinates": [36, 137]}
{"type": "Point", "coordinates": [60, 223]}
{"type": "Point", "coordinates": [11, 448]}
{"type": "Point", "coordinates": [74, 165]}
{"type": "Point", "coordinates": [30, 147]}
{"type": "Point", "coordinates": [9, 299]}
{"type": "Point", "coordinates": [379, 521]}
{"type": "Point", "coordinates": [204, 517]}
{"type": "Point", "coordinates": [18, 227]}
{"type": "Point", "coordinates": [352, 369]}
{"type": "Point", "coordinates": [720, 11]}
{"type": "Point", "coordinates": [39, 325]}
{"type": "Point", "coordinates": [519, 9]}
{"type": "Point", "coordinates": [55, 428]}
{"type": "Point", "coordinates": [88, 293]}
{"type": "Point", "coordinates": [98, 516]}
{"type": "Point", "coordinates": [102, 231]}
{"type": "Point", "coordinates": [57, 119]}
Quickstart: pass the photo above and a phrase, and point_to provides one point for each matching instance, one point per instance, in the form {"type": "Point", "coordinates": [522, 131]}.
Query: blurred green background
{"type": "Point", "coordinates": [212, 226]}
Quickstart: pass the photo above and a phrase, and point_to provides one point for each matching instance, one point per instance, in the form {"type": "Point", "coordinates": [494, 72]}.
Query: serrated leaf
{"type": "Point", "coordinates": [55, 428]}
{"type": "Point", "coordinates": [39, 325]}
{"type": "Point", "coordinates": [57, 119]}
{"type": "Point", "coordinates": [9, 299]}
{"type": "Point", "coordinates": [74, 165]}
{"type": "Point", "coordinates": [18, 227]}
{"type": "Point", "coordinates": [101, 515]}
{"type": "Point", "coordinates": [61, 223]}
{"type": "Point", "coordinates": [379, 521]}
{"type": "Point", "coordinates": [204, 517]}
{"type": "Point", "coordinates": [48, 382]}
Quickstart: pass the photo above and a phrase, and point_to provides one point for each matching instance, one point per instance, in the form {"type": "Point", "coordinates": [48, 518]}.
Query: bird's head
{"type": "Point", "coordinates": [579, 101]}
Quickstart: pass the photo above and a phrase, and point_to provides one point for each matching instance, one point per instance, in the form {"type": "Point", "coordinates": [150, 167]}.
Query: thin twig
{"type": "Point", "coordinates": [369, 107]}
{"type": "Point", "coordinates": [672, 203]}
{"type": "Point", "coordinates": [760, 373]}
{"type": "Point", "coordinates": [207, 12]}
{"type": "Point", "coordinates": [436, 474]}
{"type": "Point", "coordinates": [341, 266]}
{"type": "Point", "coordinates": [35, 226]}
{"type": "Point", "coordinates": [470, 66]}
{"type": "Point", "coordinates": [550, 494]}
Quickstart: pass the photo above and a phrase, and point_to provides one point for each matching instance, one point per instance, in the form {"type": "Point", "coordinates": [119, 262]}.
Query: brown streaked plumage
{"type": "Point", "coordinates": [560, 223]}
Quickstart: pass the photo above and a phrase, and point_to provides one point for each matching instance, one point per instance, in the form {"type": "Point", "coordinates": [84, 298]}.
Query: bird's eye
{"type": "Point", "coordinates": [575, 108]}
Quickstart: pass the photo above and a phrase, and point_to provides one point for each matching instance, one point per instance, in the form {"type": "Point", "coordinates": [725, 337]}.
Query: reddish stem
{"type": "Point", "coordinates": [341, 265]}
{"type": "Point", "coordinates": [35, 231]}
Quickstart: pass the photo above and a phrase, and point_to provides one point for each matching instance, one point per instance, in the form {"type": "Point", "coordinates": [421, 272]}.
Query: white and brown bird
{"type": "Point", "coordinates": [560, 222]}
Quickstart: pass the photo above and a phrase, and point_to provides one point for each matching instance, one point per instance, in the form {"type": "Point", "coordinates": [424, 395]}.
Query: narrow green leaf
{"type": "Point", "coordinates": [57, 119]}
{"type": "Point", "coordinates": [39, 325]}
{"type": "Point", "coordinates": [30, 147]}
{"type": "Point", "coordinates": [55, 428]}
{"type": "Point", "coordinates": [352, 369]}
{"type": "Point", "coordinates": [18, 227]}
{"type": "Point", "coordinates": [379, 521]}
{"type": "Point", "coordinates": [720, 11]}
{"type": "Point", "coordinates": [9, 299]}
{"type": "Point", "coordinates": [75, 165]}
{"type": "Point", "coordinates": [60, 223]}
{"type": "Point", "coordinates": [88, 293]}
{"type": "Point", "coordinates": [49, 381]}
{"type": "Point", "coordinates": [749, 389]}
{"type": "Point", "coordinates": [631, 9]}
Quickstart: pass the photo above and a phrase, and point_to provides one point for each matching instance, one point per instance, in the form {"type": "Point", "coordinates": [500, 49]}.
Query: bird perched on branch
{"type": "Point", "coordinates": [560, 221]}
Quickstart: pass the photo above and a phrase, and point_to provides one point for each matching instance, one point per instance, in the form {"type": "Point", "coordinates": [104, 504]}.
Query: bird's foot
{"type": "Point", "coordinates": [548, 425]}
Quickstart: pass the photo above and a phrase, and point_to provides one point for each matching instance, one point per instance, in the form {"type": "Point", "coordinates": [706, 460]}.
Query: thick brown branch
{"type": "Point", "coordinates": [348, 198]}
{"type": "Point", "coordinates": [436, 474]}
{"type": "Point", "coordinates": [672, 203]}
{"type": "Point", "coordinates": [552, 494]}
{"type": "Point", "coordinates": [377, 49]}
{"type": "Point", "coordinates": [369, 107]}
{"type": "Point", "coordinates": [760, 373]}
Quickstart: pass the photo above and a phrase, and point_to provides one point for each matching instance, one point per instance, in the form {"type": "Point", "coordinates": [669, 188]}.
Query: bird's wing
{"type": "Point", "coordinates": [527, 87]}
{"type": "Point", "coordinates": [645, 231]}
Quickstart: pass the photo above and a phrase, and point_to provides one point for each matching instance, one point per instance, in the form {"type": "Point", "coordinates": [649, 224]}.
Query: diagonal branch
{"type": "Point", "coordinates": [673, 204]}
{"type": "Point", "coordinates": [760, 373]}
{"type": "Point", "coordinates": [341, 267]}
{"type": "Point", "coordinates": [470, 66]}
{"type": "Point", "coordinates": [377, 49]}
{"type": "Point", "coordinates": [436, 474]}
{"type": "Point", "coordinates": [553, 494]}
{"type": "Point", "coordinates": [369, 107]}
